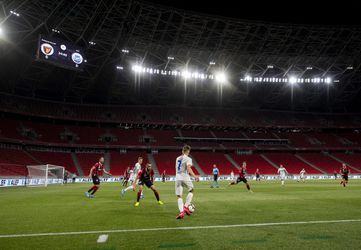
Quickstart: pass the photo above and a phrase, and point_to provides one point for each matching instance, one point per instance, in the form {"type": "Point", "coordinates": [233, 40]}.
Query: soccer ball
{"type": "Point", "coordinates": [191, 208]}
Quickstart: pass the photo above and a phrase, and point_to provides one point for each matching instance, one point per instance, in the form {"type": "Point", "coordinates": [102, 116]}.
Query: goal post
{"type": "Point", "coordinates": [45, 174]}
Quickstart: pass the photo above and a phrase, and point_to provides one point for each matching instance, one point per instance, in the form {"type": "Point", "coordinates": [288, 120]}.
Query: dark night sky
{"type": "Point", "coordinates": [300, 11]}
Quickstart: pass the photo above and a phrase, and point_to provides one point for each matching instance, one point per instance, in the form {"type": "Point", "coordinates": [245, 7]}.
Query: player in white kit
{"type": "Point", "coordinates": [282, 172]}
{"type": "Point", "coordinates": [183, 166]}
{"type": "Point", "coordinates": [133, 175]}
{"type": "Point", "coordinates": [302, 175]}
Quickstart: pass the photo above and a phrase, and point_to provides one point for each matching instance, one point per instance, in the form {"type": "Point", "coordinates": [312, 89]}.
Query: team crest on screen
{"type": "Point", "coordinates": [47, 49]}
{"type": "Point", "coordinates": [77, 58]}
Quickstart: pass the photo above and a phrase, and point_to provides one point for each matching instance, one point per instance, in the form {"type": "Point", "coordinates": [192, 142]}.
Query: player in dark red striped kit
{"type": "Point", "coordinates": [126, 177]}
{"type": "Point", "coordinates": [258, 175]}
{"type": "Point", "coordinates": [242, 176]}
{"type": "Point", "coordinates": [96, 171]}
{"type": "Point", "coordinates": [163, 176]}
{"type": "Point", "coordinates": [146, 177]}
{"type": "Point", "coordinates": [344, 171]}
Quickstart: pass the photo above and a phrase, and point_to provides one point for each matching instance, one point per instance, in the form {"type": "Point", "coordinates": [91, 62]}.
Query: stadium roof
{"type": "Point", "coordinates": [153, 33]}
{"type": "Point", "coordinates": [297, 12]}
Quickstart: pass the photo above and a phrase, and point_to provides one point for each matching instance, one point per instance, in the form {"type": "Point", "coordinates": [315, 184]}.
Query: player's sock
{"type": "Point", "coordinates": [186, 211]}
{"type": "Point", "coordinates": [138, 195]}
{"type": "Point", "coordinates": [180, 204]}
{"type": "Point", "coordinates": [189, 199]}
{"type": "Point", "coordinates": [128, 188]}
{"type": "Point", "coordinates": [248, 187]}
{"type": "Point", "coordinates": [156, 194]}
{"type": "Point", "coordinates": [91, 189]}
{"type": "Point", "coordinates": [283, 182]}
{"type": "Point", "coordinates": [94, 190]}
{"type": "Point", "coordinates": [180, 216]}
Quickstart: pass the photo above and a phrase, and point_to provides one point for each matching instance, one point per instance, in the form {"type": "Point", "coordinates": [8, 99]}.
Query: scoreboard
{"type": "Point", "coordinates": [60, 53]}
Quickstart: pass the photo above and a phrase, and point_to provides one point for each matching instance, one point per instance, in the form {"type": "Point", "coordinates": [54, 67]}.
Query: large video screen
{"type": "Point", "coordinates": [60, 53]}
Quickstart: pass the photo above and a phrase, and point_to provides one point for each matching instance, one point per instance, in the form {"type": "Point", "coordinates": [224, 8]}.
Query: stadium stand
{"type": "Point", "coordinates": [253, 162]}
{"type": "Point", "coordinates": [87, 160]}
{"type": "Point", "coordinates": [207, 159]}
{"type": "Point", "coordinates": [162, 137]}
{"type": "Point", "coordinates": [10, 129]}
{"type": "Point", "coordinates": [322, 161]}
{"type": "Point", "coordinates": [13, 162]}
{"type": "Point", "coordinates": [228, 134]}
{"type": "Point", "coordinates": [166, 161]}
{"type": "Point", "coordinates": [291, 163]}
{"type": "Point", "coordinates": [155, 128]}
{"type": "Point", "coordinates": [165, 115]}
{"type": "Point", "coordinates": [353, 159]}
{"type": "Point", "coordinates": [55, 158]}
{"type": "Point", "coordinates": [119, 162]}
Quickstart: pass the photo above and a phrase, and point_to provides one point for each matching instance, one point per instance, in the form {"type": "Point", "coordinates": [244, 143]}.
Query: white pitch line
{"type": "Point", "coordinates": [179, 228]}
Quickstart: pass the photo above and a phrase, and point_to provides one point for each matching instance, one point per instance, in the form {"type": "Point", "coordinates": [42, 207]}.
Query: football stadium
{"type": "Point", "coordinates": [131, 124]}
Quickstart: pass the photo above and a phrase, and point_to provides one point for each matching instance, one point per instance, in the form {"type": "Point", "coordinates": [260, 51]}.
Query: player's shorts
{"type": "Point", "coordinates": [215, 177]}
{"type": "Point", "coordinates": [183, 182]}
{"type": "Point", "coordinates": [96, 180]}
{"type": "Point", "coordinates": [302, 176]}
{"type": "Point", "coordinates": [282, 177]}
{"type": "Point", "coordinates": [345, 177]}
{"type": "Point", "coordinates": [243, 179]}
{"type": "Point", "coordinates": [257, 176]}
{"type": "Point", "coordinates": [148, 183]}
{"type": "Point", "coordinates": [131, 177]}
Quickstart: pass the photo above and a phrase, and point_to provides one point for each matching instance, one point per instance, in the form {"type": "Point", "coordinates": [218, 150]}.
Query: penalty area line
{"type": "Point", "coordinates": [180, 228]}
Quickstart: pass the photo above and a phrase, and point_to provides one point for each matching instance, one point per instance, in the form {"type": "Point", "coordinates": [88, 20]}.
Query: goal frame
{"type": "Point", "coordinates": [46, 170]}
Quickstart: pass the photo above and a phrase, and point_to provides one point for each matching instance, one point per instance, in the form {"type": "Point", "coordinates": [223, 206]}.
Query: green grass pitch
{"type": "Point", "coordinates": [56, 209]}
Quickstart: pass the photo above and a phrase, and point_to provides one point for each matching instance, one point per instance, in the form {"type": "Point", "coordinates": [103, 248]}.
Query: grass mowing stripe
{"type": "Point", "coordinates": [180, 228]}
{"type": "Point", "coordinates": [248, 241]}
{"type": "Point", "coordinates": [176, 245]}
{"type": "Point", "coordinates": [317, 237]}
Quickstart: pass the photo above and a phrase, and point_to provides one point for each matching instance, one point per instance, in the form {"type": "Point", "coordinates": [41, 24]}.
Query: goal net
{"type": "Point", "coordinates": [45, 174]}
